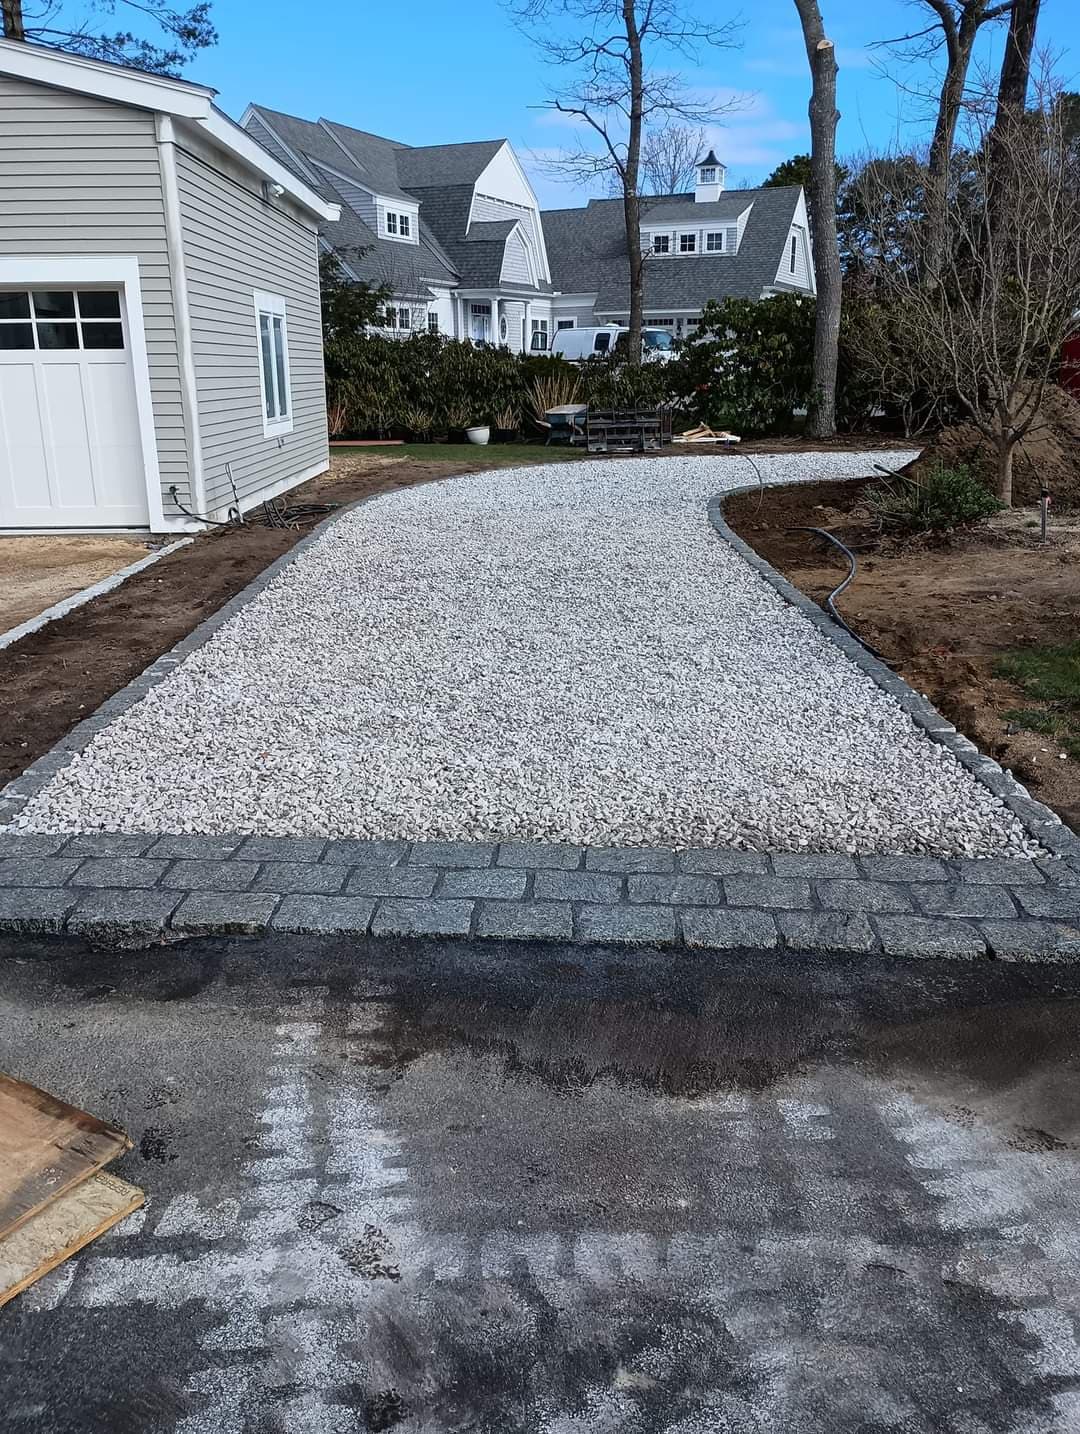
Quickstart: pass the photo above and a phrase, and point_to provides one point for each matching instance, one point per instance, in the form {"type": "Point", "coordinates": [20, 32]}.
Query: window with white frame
{"type": "Point", "coordinates": [794, 257]}
{"type": "Point", "coordinates": [404, 318]}
{"type": "Point", "coordinates": [661, 243]}
{"type": "Point", "coordinates": [397, 224]}
{"type": "Point", "coordinates": [708, 175]}
{"type": "Point", "coordinates": [539, 340]}
{"type": "Point", "coordinates": [272, 334]}
{"type": "Point", "coordinates": [687, 243]}
{"type": "Point", "coordinates": [566, 324]}
{"type": "Point", "coordinates": [432, 321]}
{"type": "Point", "coordinates": [714, 241]}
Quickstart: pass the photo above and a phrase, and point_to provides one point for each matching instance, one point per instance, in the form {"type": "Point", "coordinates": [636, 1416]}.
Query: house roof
{"type": "Point", "coordinates": [406, 268]}
{"type": "Point", "coordinates": [442, 164]}
{"type": "Point", "coordinates": [587, 251]}
{"type": "Point", "coordinates": [160, 94]}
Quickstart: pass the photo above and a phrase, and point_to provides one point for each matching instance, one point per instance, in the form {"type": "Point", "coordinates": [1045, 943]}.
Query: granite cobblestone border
{"type": "Point", "coordinates": [133, 889]}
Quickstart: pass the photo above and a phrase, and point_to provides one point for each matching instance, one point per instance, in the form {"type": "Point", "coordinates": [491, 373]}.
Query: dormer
{"type": "Point", "coordinates": [710, 179]}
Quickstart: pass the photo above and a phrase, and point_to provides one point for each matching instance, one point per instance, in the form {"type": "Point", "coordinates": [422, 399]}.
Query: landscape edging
{"type": "Point", "coordinates": [1038, 819]}
{"type": "Point", "coordinates": [117, 889]}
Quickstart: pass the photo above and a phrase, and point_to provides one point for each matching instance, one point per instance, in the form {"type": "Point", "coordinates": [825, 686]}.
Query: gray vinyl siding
{"type": "Point", "coordinates": [359, 200]}
{"type": "Point", "coordinates": [800, 279]}
{"type": "Point", "coordinates": [484, 207]}
{"type": "Point", "coordinates": [234, 244]}
{"type": "Point", "coordinates": [82, 176]}
{"type": "Point", "coordinates": [515, 313]}
{"type": "Point", "coordinates": [515, 265]}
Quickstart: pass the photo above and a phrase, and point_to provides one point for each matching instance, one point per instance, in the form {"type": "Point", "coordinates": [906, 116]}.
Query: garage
{"type": "Point", "coordinates": [71, 451]}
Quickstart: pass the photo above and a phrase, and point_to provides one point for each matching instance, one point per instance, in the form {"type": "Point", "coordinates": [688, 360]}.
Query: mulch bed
{"type": "Point", "coordinates": [941, 611]}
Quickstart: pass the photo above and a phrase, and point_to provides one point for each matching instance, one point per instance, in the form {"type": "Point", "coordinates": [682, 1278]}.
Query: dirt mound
{"type": "Point", "coordinates": [1050, 452]}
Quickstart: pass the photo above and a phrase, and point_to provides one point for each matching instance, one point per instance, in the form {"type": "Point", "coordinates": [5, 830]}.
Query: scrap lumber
{"type": "Point", "coordinates": [63, 1227]}
{"type": "Point", "coordinates": [47, 1147]}
{"type": "Point", "coordinates": [702, 433]}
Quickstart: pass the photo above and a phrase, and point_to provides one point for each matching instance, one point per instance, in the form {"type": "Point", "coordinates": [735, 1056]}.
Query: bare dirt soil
{"type": "Point", "coordinates": [37, 572]}
{"type": "Point", "coordinates": [1049, 453]}
{"type": "Point", "coordinates": [942, 612]}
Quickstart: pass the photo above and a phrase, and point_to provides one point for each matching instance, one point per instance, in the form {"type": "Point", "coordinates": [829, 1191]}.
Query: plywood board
{"type": "Point", "coordinates": [68, 1223]}
{"type": "Point", "coordinates": [46, 1148]}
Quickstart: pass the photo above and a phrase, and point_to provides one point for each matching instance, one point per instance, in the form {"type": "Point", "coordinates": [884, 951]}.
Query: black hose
{"type": "Point", "coordinates": [830, 601]}
{"type": "Point", "coordinates": [232, 521]}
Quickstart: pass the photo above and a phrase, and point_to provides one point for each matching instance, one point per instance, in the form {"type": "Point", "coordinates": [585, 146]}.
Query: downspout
{"type": "Point", "coordinates": [174, 239]}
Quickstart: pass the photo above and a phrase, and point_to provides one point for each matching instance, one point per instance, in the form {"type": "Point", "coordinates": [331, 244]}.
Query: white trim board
{"type": "Point", "coordinates": [69, 604]}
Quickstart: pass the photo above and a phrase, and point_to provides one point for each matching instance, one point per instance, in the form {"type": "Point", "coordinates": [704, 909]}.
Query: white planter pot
{"type": "Point", "coordinates": [478, 435]}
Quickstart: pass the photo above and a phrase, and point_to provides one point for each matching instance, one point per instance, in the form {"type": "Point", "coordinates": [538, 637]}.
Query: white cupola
{"type": "Point", "coordinates": [710, 179]}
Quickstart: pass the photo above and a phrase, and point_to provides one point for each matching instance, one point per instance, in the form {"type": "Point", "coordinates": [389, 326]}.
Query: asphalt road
{"type": "Point", "coordinates": [434, 1187]}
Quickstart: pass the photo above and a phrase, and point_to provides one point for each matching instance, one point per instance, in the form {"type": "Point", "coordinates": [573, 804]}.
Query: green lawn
{"type": "Point", "coordinates": [1050, 675]}
{"type": "Point", "coordinates": [489, 455]}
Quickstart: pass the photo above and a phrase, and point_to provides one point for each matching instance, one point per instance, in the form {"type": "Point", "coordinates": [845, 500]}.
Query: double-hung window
{"type": "Point", "coordinates": [687, 243]}
{"type": "Point", "coordinates": [391, 222]}
{"type": "Point", "coordinates": [403, 225]}
{"type": "Point", "coordinates": [272, 334]}
{"type": "Point", "coordinates": [714, 241]}
{"type": "Point", "coordinates": [661, 244]}
{"type": "Point", "coordinates": [539, 340]}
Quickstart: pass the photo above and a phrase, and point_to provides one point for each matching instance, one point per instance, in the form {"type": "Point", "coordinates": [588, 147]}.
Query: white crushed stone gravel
{"type": "Point", "coordinates": [565, 652]}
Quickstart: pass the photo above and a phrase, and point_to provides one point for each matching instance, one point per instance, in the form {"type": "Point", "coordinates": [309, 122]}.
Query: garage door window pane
{"type": "Point", "coordinates": [58, 336]}
{"type": "Point", "coordinates": [14, 306]}
{"type": "Point", "coordinates": [99, 303]}
{"type": "Point", "coordinates": [54, 304]}
{"type": "Point", "coordinates": [16, 336]}
{"type": "Point", "coordinates": [103, 336]}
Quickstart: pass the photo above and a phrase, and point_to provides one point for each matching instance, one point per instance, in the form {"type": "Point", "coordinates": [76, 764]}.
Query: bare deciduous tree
{"type": "Point", "coordinates": [954, 29]}
{"type": "Point", "coordinates": [1008, 295]}
{"type": "Point", "coordinates": [669, 158]}
{"type": "Point", "coordinates": [821, 54]}
{"type": "Point", "coordinates": [609, 51]}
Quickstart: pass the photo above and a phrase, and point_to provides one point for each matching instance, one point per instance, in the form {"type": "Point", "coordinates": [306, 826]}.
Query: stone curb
{"type": "Point", "coordinates": [147, 889]}
{"type": "Point", "coordinates": [1042, 823]}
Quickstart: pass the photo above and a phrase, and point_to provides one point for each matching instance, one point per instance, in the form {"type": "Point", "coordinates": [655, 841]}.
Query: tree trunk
{"type": "Point", "coordinates": [631, 196]}
{"type": "Point", "coordinates": [1006, 450]}
{"type": "Point", "coordinates": [958, 49]}
{"type": "Point", "coordinates": [1011, 99]}
{"type": "Point", "coordinates": [1016, 62]}
{"type": "Point", "coordinates": [823, 121]}
{"type": "Point", "coordinates": [13, 20]}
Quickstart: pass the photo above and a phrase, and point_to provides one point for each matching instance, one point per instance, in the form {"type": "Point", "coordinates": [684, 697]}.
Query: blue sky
{"type": "Point", "coordinates": [431, 71]}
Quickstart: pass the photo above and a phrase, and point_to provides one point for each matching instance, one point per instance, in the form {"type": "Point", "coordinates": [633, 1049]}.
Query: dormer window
{"type": "Point", "coordinates": [661, 244]}
{"type": "Point", "coordinates": [397, 224]}
{"type": "Point", "coordinates": [687, 243]}
{"type": "Point", "coordinates": [714, 241]}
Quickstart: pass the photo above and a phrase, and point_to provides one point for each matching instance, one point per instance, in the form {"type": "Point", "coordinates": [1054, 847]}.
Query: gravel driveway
{"type": "Point", "coordinates": [561, 652]}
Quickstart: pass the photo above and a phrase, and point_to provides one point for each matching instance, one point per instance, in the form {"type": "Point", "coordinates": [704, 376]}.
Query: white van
{"type": "Point", "coordinates": [577, 345]}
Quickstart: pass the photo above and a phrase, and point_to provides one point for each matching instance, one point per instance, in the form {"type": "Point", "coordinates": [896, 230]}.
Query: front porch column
{"type": "Point", "coordinates": [495, 321]}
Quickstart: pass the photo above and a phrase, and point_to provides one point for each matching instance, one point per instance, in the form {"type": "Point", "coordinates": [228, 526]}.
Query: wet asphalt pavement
{"type": "Point", "coordinates": [433, 1186]}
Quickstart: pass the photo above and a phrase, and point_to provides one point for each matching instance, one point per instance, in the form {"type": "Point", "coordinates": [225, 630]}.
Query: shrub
{"type": "Point", "coordinates": [748, 366]}
{"type": "Point", "coordinates": [939, 500]}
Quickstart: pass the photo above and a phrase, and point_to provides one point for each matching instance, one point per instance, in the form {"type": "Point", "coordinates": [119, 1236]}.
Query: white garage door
{"type": "Point", "coordinates": [70, 448]}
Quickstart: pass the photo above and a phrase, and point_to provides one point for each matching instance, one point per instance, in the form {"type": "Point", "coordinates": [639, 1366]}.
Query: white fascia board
{"type": "Point", "coordinates": [160, 95]}
{"type": "Point", "coordinates": [238, 142]}
{"type": "Point", "coordinates": [63, 71]}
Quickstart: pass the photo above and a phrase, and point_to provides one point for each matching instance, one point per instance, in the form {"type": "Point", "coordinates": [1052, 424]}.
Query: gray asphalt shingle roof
{"type": "Point", "coordinates": [439, 178]}
{"type": "Point", "coordinates": [422, 166]}
{"type": "Point", "coordinates": [587, 250]}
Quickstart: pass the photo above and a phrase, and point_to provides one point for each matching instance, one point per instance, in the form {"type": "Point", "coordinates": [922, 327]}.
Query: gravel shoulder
{"type": "Point", "coordinates": [559, 653]}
